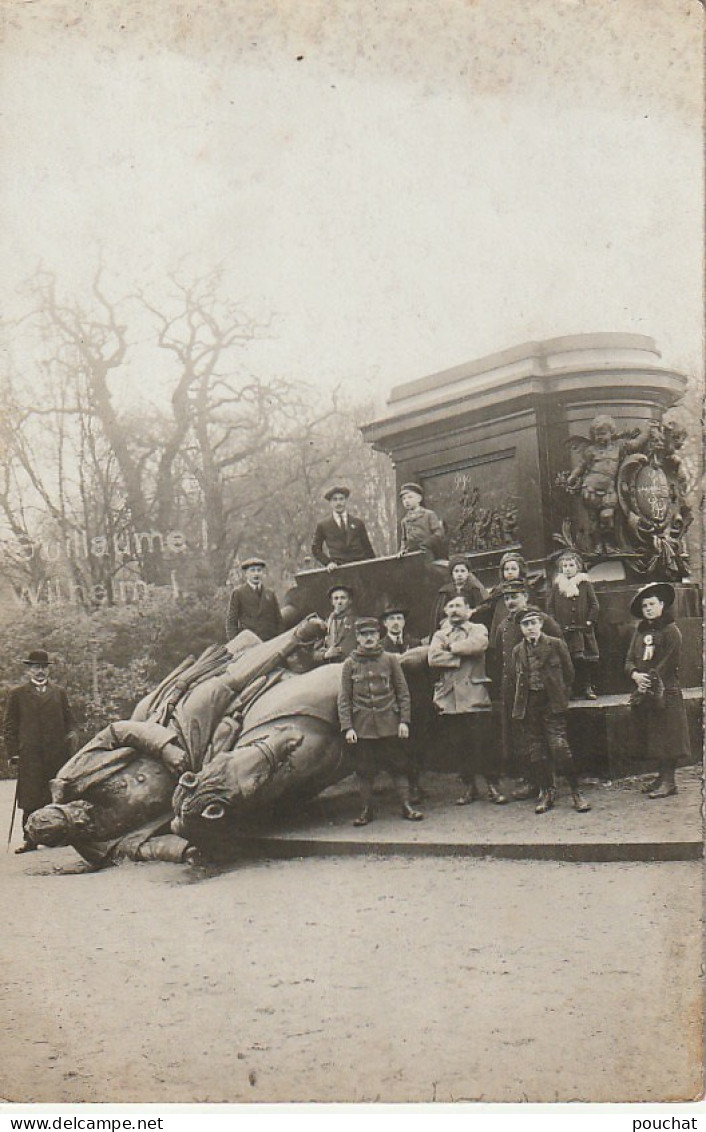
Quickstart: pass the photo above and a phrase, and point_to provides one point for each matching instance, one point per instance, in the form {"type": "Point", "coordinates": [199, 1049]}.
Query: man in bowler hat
{"type": "Point", "coordinates": [344, 535]}
{"type": "Point", "coordinates": [252, 605]}
{"type": "Point", "coordinates": [40, 735]}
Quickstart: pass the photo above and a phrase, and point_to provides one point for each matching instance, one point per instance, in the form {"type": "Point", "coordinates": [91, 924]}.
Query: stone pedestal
{"type": "Point", "coordinates": [487, 441]}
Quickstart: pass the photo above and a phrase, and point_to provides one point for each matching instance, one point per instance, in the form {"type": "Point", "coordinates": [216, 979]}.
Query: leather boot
{"type": "Point", "coordinates": [26, 847]}
{"type": "Point", "coordinates": [580, 804]}
{"type": "Point", "coordinates": [546, 801]}
{"type": "Point", "coordinates": [364, 817]}
{"type": "Point", "coordinates": [470, 794]}
{"type": "Point", "coordinates": [409, 814]}
{"type": "Point", "coordinates": [653, 783]}
{"type": "Point", "coordinates": [590, 692]}
{"type": "Point", "coordinates": [495, 796]}
{"type": "Point", "coordinates": [664, 790]}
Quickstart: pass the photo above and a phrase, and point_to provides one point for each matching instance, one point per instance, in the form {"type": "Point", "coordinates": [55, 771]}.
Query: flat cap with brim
{"type": "Point", "coordinates": [337, 489]}
{"type": "Point", "coordinates": [341, 586]}
{"type": "Point", "coordinates": [663, 590]}
{"type": "Point", "coordinates": [363, 623]}
{"type": "Point", "coordinates": [412, 487]}
{"type": "Point", "coordinates": [37, 656]}
{"type": "Point", "coordinates": [252, 562]}
{"type": "Point", "coordinates": [530, 613]}
{"type": "Point", "coordinates": [391, 610]}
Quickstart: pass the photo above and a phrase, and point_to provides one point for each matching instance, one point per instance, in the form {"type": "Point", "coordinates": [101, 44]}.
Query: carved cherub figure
{"type": "Point", "coordinates": [596, 473]}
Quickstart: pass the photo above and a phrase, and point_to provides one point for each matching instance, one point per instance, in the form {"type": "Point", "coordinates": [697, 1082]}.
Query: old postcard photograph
{"type": "Point", "coordinates": [351, 552]}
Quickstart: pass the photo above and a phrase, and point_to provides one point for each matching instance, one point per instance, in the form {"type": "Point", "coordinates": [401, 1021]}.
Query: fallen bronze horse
{"type": "Point", "coordinates": [218, 744]}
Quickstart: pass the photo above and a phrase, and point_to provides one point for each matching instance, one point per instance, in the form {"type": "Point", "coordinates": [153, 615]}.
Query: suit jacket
{"type": "Point", "coordinates": [351, 545]}
{"type": "Point", "coordinates": [258, 612]}
{"type": "Point", "coordinates": [556, 669]}
{"type": "Point", "coordinates": [407, 643]}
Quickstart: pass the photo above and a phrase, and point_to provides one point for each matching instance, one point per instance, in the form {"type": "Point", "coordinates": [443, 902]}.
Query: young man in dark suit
{"type": "Point", "coordinates": [253, 606]}
{"type": "Point", "coordinates": [396, 639]}
{"type": "Point", "coordinates": [40, 736]}
{"type": "Point", "coordinates": [343, 534]}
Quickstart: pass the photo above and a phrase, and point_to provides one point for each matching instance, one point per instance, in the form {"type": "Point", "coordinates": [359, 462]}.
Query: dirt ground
{"type": "Point", "coordinates": [356, 979]}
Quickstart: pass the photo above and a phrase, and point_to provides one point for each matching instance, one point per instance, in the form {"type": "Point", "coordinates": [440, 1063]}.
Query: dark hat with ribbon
{"type": "Point", "coordinates": [412, 487]}
{"type": "Point", "coordinates": [663, 590]}
{"type": "Point", "coordinates": [517, 586]}
{"type": "Point", "coordinates": [37, 656]}
{"type": "Point", "coordinates": [363, 623]}
{"type": "Point", "coordinates": [254, 561]}
{"type": "Point", "coordinates": [337, 489]}
{"type": "Point", "coordinates": [458, 560]}
{"type": "Point", "coordinates": [391, 610]}
{"type": "Point", "coordinates": [530, 612]}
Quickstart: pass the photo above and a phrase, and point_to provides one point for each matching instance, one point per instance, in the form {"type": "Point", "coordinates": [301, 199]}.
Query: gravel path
{"type": "Point", "coordinates": [357, 979]}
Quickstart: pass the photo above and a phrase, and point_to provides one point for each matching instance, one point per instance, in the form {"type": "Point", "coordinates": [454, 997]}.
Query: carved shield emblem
{"type": "Point", "coordinates": [652, 494]}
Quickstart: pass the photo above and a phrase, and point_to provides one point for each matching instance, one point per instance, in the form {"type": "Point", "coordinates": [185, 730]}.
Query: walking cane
{"type": "Point", "coordinates": [12, 819]}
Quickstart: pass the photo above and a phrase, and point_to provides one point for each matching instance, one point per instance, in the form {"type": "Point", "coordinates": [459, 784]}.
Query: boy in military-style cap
{"type": "Point", "coordinates": [374, 708]}
{"type": "Point", "coordinates": [252, 605]}
{"type": "Point", "coordinates": [422, 529]}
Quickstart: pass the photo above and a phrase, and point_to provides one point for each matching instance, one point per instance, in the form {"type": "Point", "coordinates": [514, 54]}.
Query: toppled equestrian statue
{"type": "Point", "coordinates": [214, 747]}
{"type": "Point", "coordinates": [112, 800]}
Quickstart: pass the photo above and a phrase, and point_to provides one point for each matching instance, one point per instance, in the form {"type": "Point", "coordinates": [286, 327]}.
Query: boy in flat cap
{"type": "Point", "coordinates": [374, 709]}
{"type": "Point", "coordinates": [422, 529]}
{"type": "Point", "coordinates": [252, 605]}
{"type": "Point", "coordinates": [515, 598]}
{"type": "Point", "coordinates": [543, 674]}
{"type": "Point", "coordinates": [40, 735]}
{"type": "Point", "coordinates": [343, 534]}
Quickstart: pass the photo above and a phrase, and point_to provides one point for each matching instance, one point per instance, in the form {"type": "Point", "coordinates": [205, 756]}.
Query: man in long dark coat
{"type": "Point", "coordinates": [39, 733]}
{"type": "Point", "coordinates": [343, 534]}
{"type": "Point", "coordinates": [252, 605]}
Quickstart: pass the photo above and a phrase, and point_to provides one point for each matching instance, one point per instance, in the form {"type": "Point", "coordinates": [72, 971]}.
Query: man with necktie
{"type": "Point", "coordinates": [344, 535]}
{"type": "Point", "coordinates": [252, 605]}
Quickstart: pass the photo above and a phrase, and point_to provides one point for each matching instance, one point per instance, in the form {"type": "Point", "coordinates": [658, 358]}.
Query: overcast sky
{"type": "Point", "coordinates": [430, 182]}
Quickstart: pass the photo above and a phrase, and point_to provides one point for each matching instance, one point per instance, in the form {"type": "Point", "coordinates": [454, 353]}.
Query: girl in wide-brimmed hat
{"type": "Point", "coordinates": [657, 706]}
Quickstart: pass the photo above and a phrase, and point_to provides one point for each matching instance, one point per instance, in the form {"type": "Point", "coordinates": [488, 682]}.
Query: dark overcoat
{"type": "Point", "coordinates": [349, 545]}
{"type": "Point", "coordinates": [257, 611]}
{"type": "Point", "coordinates": [37, 731]}
{"type": "Point", "coordinates": [556, 669]}
{"type": "Point", "coordinates": [663, 731]}
{"type": "Point", "coordinates": [374, 698]}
